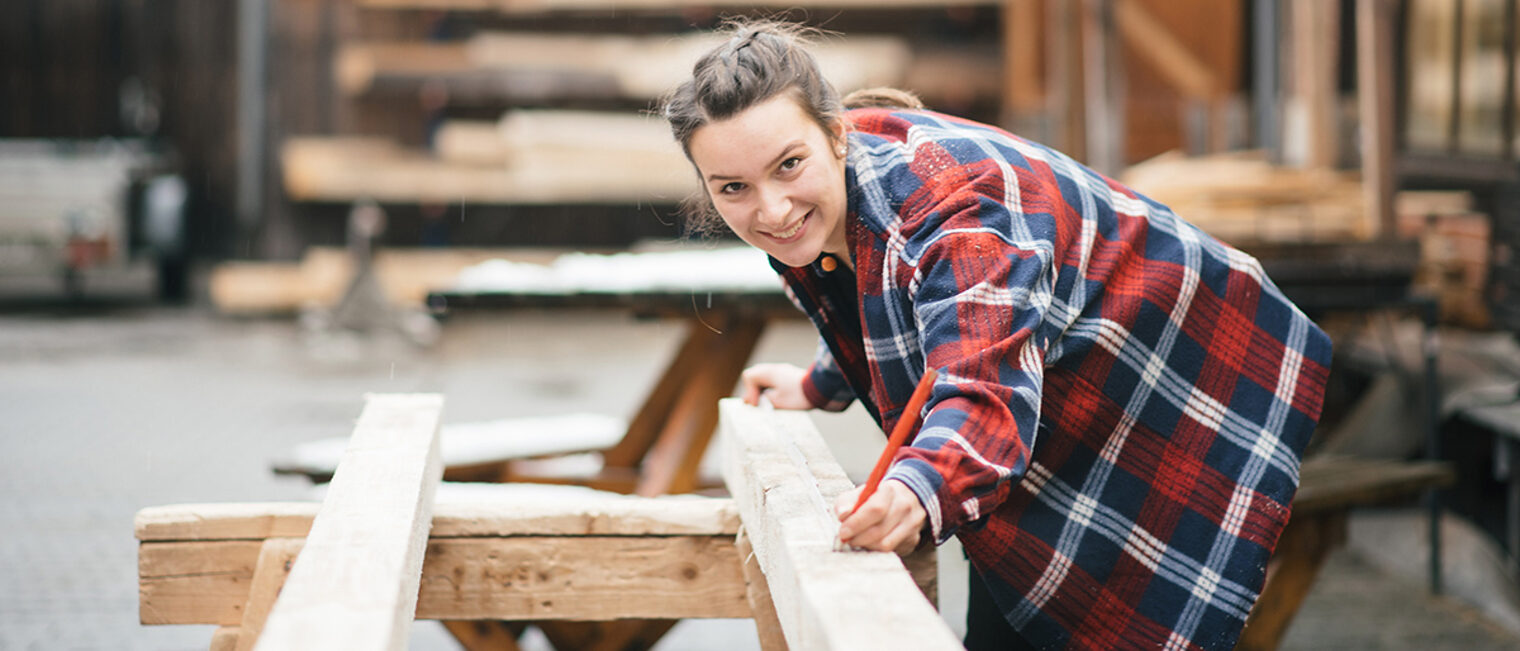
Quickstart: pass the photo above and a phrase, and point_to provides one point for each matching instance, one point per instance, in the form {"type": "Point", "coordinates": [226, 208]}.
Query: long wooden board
{"type": "Point", "coordinates": [597, 558]}
{"type": "Point", "coordinates": [595, 515]}
{"type": "Point", "coordinates": [824, 599]}
{"type": "Point", "coordinates": [354, 585]}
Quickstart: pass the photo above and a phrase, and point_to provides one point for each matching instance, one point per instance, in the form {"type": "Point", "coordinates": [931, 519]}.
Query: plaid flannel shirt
{"type": "Point", "coordinates": [1123, 400]}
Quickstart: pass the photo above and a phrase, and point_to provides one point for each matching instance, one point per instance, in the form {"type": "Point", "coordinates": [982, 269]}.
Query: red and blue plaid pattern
{"type": "Point", "coordinates": [1123, 400]}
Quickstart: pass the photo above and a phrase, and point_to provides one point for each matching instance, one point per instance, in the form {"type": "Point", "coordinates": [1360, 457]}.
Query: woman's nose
{"type": "Point", "coordinates": [775, 208]}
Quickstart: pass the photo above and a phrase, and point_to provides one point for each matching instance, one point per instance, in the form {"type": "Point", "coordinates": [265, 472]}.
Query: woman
{"type": "Point", "coordinates": [1122, 400]}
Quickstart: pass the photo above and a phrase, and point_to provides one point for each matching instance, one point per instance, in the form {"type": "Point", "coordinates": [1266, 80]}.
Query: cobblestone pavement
{"type": "Point", "coordinates": [107, 410]}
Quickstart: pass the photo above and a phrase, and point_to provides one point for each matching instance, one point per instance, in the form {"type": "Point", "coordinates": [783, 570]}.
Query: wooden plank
{"type": "Point", "coordinates": [276, 557]}
{"type": "Point", "coordinates": [593, 515]}
{"type": "Point", "coordinates": [1022, 91]}
{"type": "Point", "coordinates": [354, 585]}
{"type": "Point", "coordinates": [1342, 482]}
{"type": "Point", "coordinates": [767, 626]}
{"type": "Point", "coordinates": [523, 577]}
{"type": "Point", "coordinates": [1301, 552]}
{"type": "Point", "coordinates": [350, 168]}
{"type": "Point", "coordinates": [225, 638]}
{"type": "Point", "coordinates": [1315, 48]}
{"type": "Point", "coordinates": [322, 276]}
{"type": "Point", "coordinates": [589, 65]}
{"type": "Point", "coordinates": [1154, 40]}
{"type": "Point", "coordinates": [583, 578]}
{"type": "Point", "coordinates": [205, 582]}
{"type": "Point", "coordinates": [671, 464]}
{"type": "Point", "coordinates": [824, 599]}
{"type": "Point", "coordinates": [1374, 72]}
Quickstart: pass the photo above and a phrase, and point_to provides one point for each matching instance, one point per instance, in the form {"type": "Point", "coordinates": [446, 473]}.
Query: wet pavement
{"type": "Point", "coordinates": [118, 405]}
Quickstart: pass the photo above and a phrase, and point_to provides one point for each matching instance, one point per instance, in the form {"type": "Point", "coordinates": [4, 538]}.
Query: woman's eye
{"type": "Point", "coordinates": [730, 188]}
{"type": "Point", "coordinates": [791, 163]}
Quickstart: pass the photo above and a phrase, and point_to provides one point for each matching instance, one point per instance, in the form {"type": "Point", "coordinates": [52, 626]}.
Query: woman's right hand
{"type": "Point", "coordinates": [780, 383]}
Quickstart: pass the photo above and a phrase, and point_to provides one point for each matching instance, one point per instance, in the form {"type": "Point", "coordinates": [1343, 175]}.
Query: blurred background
{"type": "Point", "coordinates": [223, 221]}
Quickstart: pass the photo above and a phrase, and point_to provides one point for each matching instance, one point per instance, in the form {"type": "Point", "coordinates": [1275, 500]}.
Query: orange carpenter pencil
{"type": "Point", "coordinates": [906, 424]}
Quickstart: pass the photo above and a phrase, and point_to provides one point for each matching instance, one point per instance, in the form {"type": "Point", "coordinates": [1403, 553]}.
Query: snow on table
{"type": "Point", "coordinates": [724, 269]}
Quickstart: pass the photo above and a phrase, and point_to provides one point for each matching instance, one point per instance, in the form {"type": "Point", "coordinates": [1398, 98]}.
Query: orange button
{"type": "Point", "coordinates": [828, 263]}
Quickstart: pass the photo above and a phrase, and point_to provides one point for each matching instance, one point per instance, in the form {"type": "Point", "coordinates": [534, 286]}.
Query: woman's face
{"type": "Point", "coordinates": [777, 178]}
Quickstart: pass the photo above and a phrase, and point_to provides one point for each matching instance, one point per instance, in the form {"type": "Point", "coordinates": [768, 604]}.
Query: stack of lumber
{"type": "Point", "coordinates": [324, 273]}
{"type": "Point", "coordinates": [545, 65]}
{"type": "Point", "coordinates": [1242, 198]}
{"type": "Point", "coordinates": [1454, 252]}
{"type": "Point", "coordinates": [529, 157]}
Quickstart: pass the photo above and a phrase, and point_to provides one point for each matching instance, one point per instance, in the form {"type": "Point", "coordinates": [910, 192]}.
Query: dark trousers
{"type": "Point", "coordinates": [986, 628]}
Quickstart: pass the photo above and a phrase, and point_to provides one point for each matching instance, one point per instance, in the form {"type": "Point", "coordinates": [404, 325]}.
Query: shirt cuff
{"type": "Point", "coordinates": [826, 389]}
{"type": "Point", "coordinates": [920, 478]}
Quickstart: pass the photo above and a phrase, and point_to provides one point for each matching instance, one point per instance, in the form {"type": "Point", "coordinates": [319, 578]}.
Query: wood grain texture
{"type": "Point", "coordinates": [609, 515]}
{"type": "Point", "coordinates": [507, 578]}
{"type": "Point", "coordinates": [824, 599]}
{"type": "Point", "coordinates": [354, 585]}
{"type": "Point", "coordinates": [276, 557]}
{"type": "Point", "coordinates": [767, 626]}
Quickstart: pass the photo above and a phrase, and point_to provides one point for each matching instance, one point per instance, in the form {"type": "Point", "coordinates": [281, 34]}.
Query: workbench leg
{"type": "Point", "coordinates": [671, 465]}
{"type": "Point", "coordinates": [224, 639]}
{"type": "Point", "coordinates": [485, 635]}
{"type": "Point", "coordinates": [1430, 347]}
{"type": "Point", "coordinates": [1512, 506]}
{"type": "Point", "coordinates": [276, 556]}
{"type": "Point", "coordinates": [767, 623]}
{"type": "Point", "coordinates": [1300, 554]}
{"type": "Point", "coordinates": [620, 635]}
{"type": "Point", "coordinates": [646, 425]}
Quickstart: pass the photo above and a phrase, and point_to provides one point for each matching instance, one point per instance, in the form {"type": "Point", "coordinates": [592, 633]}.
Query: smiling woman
{"type": "Point", "coordinates": [1122, 401]}
{"type": "Point", "coordinates": [777, 180]}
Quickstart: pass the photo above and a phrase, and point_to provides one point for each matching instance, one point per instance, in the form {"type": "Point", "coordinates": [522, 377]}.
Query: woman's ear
{"type": "Point", "coordinates": [837, 139]}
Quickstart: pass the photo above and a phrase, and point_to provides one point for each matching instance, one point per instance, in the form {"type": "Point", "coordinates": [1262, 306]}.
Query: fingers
{"type": "Point", "coordinates": [749, 390]}
{"type": "Point", "coordinates": [846, 501]}
{"type": "Point", "coordinates": [891, 519]}
{"type": "Point", "coordinates": [781, 383]}
{"type": "Point", "coordinates": [754, 381]}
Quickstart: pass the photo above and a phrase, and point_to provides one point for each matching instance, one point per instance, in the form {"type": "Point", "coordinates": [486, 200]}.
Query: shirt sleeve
{"type": "Point", "coordinates": [824, 385]}
{"type": "Point", "coordinates": [982, 297]}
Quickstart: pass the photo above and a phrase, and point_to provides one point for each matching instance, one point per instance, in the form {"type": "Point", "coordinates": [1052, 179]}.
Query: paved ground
{"type": "Point", "coordinates": [109, 409]}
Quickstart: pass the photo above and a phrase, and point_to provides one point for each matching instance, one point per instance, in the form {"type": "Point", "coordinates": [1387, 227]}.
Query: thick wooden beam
{"type": "Point", "coordinates": [354, 585]}
{"type": "Point", "coordinates": [596, 514]}
{"type": "Point", "coordinates": [521, 578]}
{"type": "Point", "coordinates": [276, 557]}
{"type": "Point", "coordinates": [1374, 71]}
{"type": "Point", "coordinates": [767, 626]}
{"type": "Point", "coordinates": [1154, 40]}
{"type": "Point", "coordinates": [824, 599]}
{"type": "Point", "coordinates": [595, 557]}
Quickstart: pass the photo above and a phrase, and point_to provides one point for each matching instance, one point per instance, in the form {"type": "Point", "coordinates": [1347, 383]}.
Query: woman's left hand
{"type": "Point", "coordinates": [891, 520]}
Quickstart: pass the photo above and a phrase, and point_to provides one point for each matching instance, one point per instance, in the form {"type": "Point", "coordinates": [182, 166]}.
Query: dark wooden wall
{"type": "Point", "coordinates": [64, 64]}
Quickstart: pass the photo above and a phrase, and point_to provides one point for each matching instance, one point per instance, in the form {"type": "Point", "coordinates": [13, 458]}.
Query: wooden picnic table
{"type": "Point", "coordinates": [669, 433]}
{"type": "Point", "coordinates": [1329, 488]}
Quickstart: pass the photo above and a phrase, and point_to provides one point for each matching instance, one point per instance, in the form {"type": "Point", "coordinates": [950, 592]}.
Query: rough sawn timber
{"type": "Point", "coordinates": [598, 558]}
{"type": "Point", "coordinates": [354, 584]}
{"type": "Point", "coordinates": [824, 599]}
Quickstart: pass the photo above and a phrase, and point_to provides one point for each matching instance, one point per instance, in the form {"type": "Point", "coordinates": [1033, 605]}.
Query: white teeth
{"type": "Point", "coordinates": [789, 232]}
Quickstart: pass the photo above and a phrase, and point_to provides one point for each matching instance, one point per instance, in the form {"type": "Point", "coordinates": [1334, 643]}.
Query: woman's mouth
{"type": "Point", "coordinates": [791, 233]}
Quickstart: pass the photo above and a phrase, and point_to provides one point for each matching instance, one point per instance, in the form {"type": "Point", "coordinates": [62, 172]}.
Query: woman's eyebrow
{"type": "Point", "coordinates": [785, 152]}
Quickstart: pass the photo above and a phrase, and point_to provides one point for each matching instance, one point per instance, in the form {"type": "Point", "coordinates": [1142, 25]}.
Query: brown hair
{"type": "Point", "coordinates": [761, 59]}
